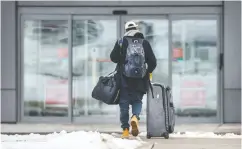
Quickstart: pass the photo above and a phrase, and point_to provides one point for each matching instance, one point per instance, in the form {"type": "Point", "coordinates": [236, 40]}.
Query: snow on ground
{"type": "Point", "coordinates": [200, 135]}
{"type": "Point", "coordinates": [90, 140]}
{"type": "Point", "coordinates": [63, 140]}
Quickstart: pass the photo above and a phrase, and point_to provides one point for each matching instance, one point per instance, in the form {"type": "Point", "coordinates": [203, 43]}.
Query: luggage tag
{"type": "Point", "coordinates": [157, 96]}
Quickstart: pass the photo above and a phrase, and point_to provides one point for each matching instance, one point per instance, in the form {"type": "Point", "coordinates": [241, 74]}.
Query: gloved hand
{"type": "Point", "coordinates": [150, 76]}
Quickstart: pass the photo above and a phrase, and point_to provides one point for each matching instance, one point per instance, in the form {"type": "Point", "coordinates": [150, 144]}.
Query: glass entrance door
{"type": "Point", "coordinates": [93, 39]}
{"type": "Point", "coordinates": [44, 73]}
{"type": "Point", "coordinates": [187, 49]}
{"type": "Point", "coordinates": [156, 31]}
{"type": "Point", "coordinates": [195, 68]}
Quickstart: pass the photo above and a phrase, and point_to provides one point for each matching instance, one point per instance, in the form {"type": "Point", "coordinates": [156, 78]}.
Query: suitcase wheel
{"type": "Point", "coordinates": [148, 136]}
{"type": "Point", "coordinates": [166, 135]}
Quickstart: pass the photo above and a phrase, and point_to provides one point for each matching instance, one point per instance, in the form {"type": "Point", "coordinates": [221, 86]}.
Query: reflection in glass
{"type": "Point", "coordinates": [194, 67]}
{"type": "Point", "coordinates": [93, 41]}
{"type": "Point", "coordinates": [45, 68]}
{"type": "Point", "coordinates": [156, 32]}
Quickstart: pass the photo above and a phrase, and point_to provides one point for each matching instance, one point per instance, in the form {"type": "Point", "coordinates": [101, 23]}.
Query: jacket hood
{"type": "Point", "coordinates": [134, 33]}
{"type": "Point", "coordinates": [139, 35]}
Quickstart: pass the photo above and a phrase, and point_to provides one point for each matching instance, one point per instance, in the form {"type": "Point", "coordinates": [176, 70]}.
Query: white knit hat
{"type": "Point", "coordinates": [130, 24]}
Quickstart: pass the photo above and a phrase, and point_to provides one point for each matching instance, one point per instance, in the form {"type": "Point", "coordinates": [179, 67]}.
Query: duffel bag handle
{"type": "Point", "coordinates": [151, 89]}
{"type": "Point", "coordinates": [111, 73]}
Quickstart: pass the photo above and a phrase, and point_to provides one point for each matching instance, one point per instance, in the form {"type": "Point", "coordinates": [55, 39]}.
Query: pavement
{"type": "Point", "coordinates": [194, 143]}
{"type": "Point", "coordinates": [22, 128]}
{"type": "Point", "coordinates": [159, 143]}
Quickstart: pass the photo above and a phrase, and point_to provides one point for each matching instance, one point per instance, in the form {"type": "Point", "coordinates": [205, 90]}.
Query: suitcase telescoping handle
{"type": "Point", "coordinates": [156, 84]}
{"type": "Point", "coordinates": [151, 89]}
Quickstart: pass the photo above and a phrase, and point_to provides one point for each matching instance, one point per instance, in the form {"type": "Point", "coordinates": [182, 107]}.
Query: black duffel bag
{"type": "Point", "coordinates": [107, 89]}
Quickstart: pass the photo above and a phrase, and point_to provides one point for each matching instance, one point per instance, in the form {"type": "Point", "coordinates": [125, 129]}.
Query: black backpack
{"type": "Point", "coordinates": [134, 65]}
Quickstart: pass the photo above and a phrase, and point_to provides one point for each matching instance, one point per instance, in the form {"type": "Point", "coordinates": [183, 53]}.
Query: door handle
{"type": "Point", "coordinates": [221, 61]}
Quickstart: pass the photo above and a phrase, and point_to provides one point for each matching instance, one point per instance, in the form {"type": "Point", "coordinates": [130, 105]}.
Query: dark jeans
{"type": "Point", "coordinates": [127, 98]}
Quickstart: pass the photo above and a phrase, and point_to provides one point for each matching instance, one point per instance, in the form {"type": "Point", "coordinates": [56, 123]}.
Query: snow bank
{"type": "Point", "coordinates": [63, 140]}
{"type": "Point", "coordinates": [200, 135]}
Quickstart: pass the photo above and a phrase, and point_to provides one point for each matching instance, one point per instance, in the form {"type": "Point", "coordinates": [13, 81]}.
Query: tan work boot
{"type": "Point", "coordinates": [125, 133]}
{"type": "Point", "coordinates": [134, 125]}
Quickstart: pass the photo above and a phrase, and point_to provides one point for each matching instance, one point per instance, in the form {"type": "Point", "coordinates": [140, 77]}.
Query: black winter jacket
{"type": "Point", "coordinates": [118, 56]}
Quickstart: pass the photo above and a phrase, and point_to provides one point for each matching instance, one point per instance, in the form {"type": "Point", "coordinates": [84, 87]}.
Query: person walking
{"type": "Point", "coordinates": [136, 61]}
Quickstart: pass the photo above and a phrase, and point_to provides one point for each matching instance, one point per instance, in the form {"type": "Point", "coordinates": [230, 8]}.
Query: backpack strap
{"type": "Point", "coordinates": [120, 42]}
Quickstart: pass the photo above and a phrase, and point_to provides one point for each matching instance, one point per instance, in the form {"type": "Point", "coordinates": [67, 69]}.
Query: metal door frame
{"type": "Point", "coordinates": [70, 13]}
{"type": "Point", "coordinates": [144, 10]}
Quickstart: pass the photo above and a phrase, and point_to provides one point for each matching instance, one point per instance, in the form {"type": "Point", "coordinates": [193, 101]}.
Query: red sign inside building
{"type": "Point", "coordinates": [56, 92]}
{"type": "Point", "coordinates": [193, 93]}
{"type": "Point", "coordinates": [177, 54]}
{"type": "Point", "coordinates": [63, 53]}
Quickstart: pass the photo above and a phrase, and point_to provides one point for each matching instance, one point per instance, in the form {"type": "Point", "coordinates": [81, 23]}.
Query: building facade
{"type": "Point", "coordinates": [53, 53]}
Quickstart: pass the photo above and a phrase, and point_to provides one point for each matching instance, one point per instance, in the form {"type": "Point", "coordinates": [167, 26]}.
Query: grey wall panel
{"type": "Point", "coordinates": [8, 47]}
{"type": "Point", "coordinates": [170, 3]}
{"type": "Point", "coordinates": [8, 106]}
{"type": "Point", "coordinates": [120, 3]}
{"type": "Point", "coordinates": [67, 3]}
{"type": "Point", "coordinates": [232, 44]}
{"type": "Point", "coordinates": [232, 106]}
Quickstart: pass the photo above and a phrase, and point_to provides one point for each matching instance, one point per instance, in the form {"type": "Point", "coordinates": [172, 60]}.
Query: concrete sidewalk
{"type": "Point", "coordinates": [22, 128]}
{"type": "Point", "coordinates": [194, 143]}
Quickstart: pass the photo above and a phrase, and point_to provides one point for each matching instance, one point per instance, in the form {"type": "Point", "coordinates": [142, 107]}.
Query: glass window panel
{"type": "Point", "coordinates": [45, 68]}
{"type": "Point", "coordinates": [194, 67]}
{"type": "Point", "coordinates": [93, 41]}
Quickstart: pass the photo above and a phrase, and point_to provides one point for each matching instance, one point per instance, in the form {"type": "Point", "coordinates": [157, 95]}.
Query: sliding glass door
{"type": "Point", "coordinates": [156, 31]}
{"type": "Point", "coordinates": [62, 57]}
{"type": "Point", "coordinates": [195, 67]}
{"type": "Point", "coordinates": [44, 77]}
{"type": "Point", "coordinates": [93, 39]}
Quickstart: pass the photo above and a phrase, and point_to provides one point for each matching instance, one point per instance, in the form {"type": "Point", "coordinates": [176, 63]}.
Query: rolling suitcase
{"type": "Point", "coordinates": [160, 112]}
